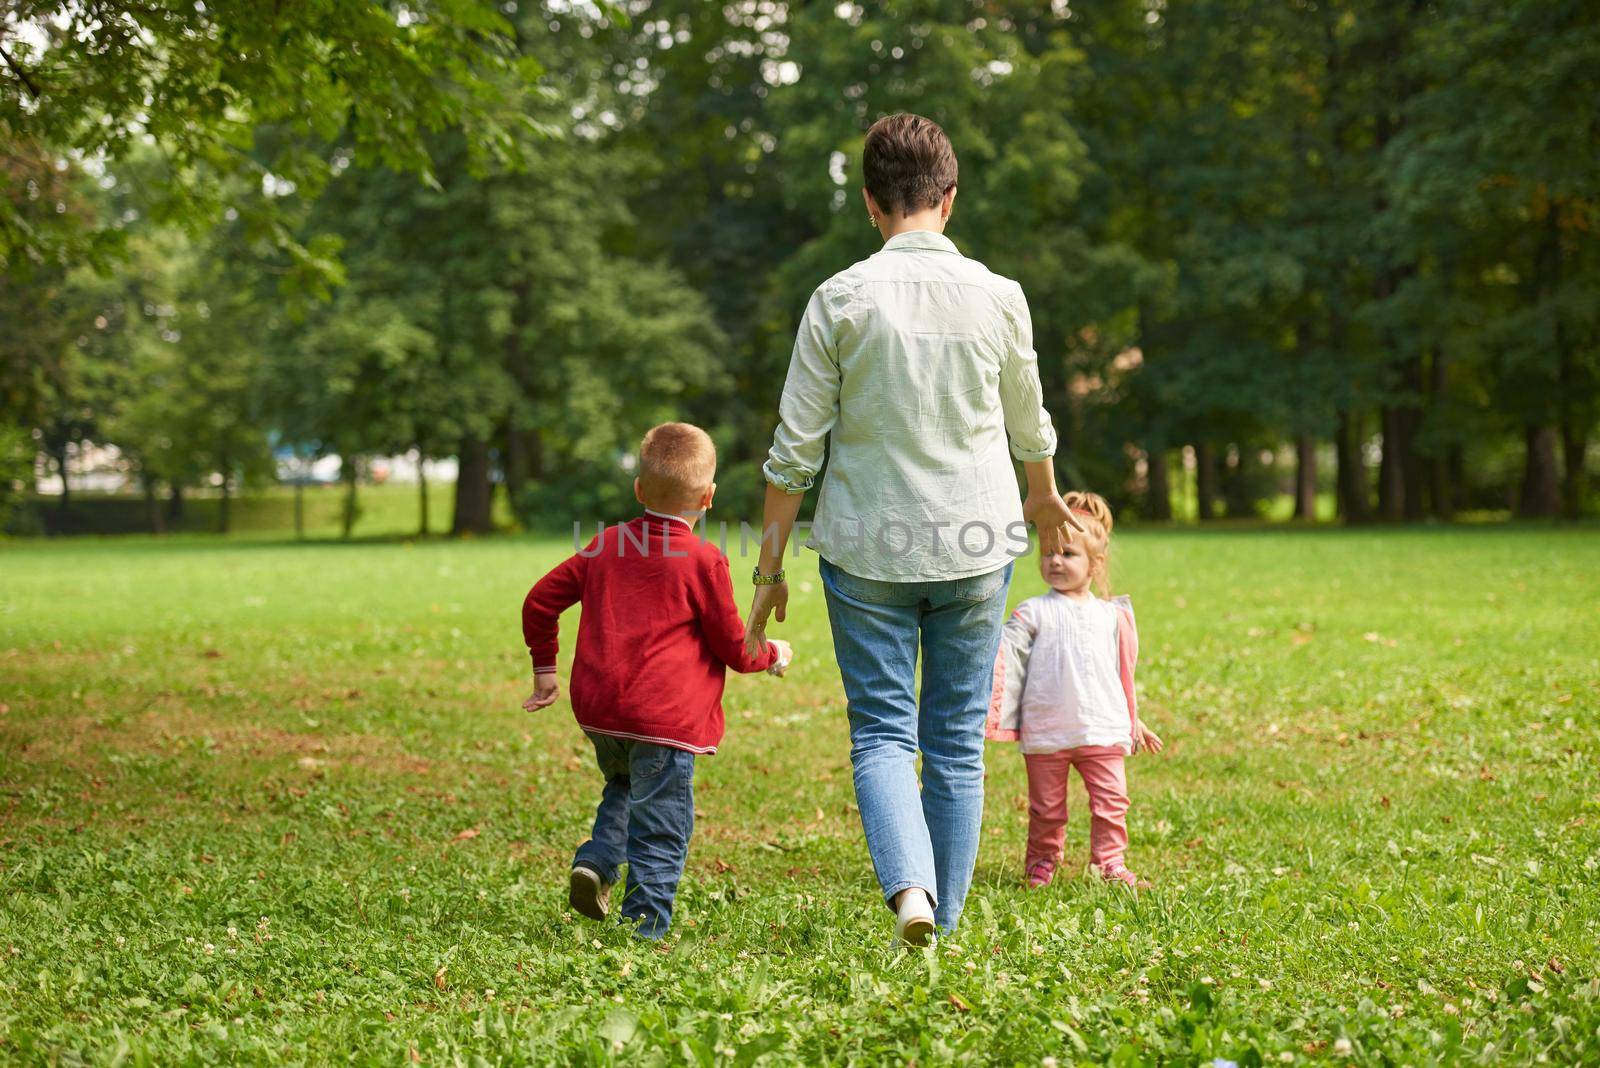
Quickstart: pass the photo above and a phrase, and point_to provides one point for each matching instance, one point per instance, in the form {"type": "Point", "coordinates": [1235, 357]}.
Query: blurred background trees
{"type": "Point", "coordinates": [1283, 258]}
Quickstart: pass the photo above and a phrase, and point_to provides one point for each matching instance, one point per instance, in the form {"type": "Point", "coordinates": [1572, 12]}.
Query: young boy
{"type": "Point", "coordinates": [659, 627]}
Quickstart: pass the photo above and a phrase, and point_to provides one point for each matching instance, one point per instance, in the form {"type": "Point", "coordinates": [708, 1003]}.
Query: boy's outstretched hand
{"type": "Point", "coordinates": [785, 657]}
{"type": "Point", "coordinates": [1145, 738]}
{"type": "Point", "coordinates": [546, 688]}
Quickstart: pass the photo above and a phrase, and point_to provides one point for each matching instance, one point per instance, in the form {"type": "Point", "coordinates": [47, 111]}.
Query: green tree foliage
{"type": "Point", "coordinates": [1495, 197]}
{"type": "Point", "coordinates": [506, 319]}
{"type": "Point", "coordinates": [1255, 236]}
{"type": "Point", "coordinates": [239, 88]}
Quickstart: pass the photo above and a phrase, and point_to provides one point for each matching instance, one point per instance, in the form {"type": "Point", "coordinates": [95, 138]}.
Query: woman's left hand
{"type": "Point", "coordinates": [1052, 518]}
{"type": "Point", "coordinates": [769, 601]}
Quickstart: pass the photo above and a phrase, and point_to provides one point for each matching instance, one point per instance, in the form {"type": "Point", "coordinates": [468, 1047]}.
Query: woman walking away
{"type": "Point", "coordinates": [920, 364]}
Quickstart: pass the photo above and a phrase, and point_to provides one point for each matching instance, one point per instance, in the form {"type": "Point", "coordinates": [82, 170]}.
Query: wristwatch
{"type": "Point", "coordinates": [758, 579]}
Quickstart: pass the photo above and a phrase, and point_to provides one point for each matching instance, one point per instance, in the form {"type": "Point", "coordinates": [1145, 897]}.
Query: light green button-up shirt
{"type": "Point", "coordinates": [920, 363]}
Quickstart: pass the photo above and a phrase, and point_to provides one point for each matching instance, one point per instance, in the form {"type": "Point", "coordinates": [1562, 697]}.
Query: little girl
{"type": "Point", "coordinates": [1064, 688]}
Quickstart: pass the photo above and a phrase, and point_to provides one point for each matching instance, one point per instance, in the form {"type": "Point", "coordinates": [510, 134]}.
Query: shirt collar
{"type": "Point", "coordinates": [921, 239]}
{"type": "Point", "coordinates": [668, 515]}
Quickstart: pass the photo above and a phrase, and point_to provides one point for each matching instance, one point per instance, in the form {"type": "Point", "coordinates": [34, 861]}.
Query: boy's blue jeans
{"type": "Point", "coordinates": [645, 817]}
{"type": "Point", "coordinates": [929, 837]}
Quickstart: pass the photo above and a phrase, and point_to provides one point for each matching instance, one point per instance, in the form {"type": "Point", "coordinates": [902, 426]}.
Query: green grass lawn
{"type": "Point", "coordinates": [273, 801]}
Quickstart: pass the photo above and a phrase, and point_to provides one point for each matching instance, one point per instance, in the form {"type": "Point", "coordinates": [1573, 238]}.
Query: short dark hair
{"type": "Point", "coordinates": [908, 163]}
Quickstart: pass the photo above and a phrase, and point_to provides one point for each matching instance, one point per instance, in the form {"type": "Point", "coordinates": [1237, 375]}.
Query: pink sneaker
{"type": "Point", "coordinates": [1117, 873]}
{"type": "Point", "coordinates": [1041, 873]}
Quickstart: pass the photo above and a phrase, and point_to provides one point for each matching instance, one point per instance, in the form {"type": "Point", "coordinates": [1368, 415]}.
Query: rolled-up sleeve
{"type": "Point", "coordinates": [810, 403]}
{"type": "Point", "coordinates": [1033, 436]}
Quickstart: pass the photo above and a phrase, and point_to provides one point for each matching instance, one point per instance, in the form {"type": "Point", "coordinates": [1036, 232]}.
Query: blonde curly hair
{"type": "Point", "coordinates": [1094, 513]}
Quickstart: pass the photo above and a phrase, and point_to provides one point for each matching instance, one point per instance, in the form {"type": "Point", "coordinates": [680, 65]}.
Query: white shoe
{"type": "Point", "coordinates": [913, 923]}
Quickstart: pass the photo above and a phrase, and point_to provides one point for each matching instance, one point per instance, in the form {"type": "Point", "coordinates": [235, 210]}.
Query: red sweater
{"type": "Point", "coordinates": [658, 627]}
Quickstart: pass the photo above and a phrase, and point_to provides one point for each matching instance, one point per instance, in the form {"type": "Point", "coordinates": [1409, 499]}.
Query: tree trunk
{"type": "Point", "coordinates": [1440, 504]}
{"type": "Point", "coordinates": [152, 505]}
{"type": "Point", "coordinates": [1399, 477]}
{"type": "Point", "coordinates": [66, 489]}
{"type": "Point", "coordinates": [300, 506]}
{"type": "Point", "coordinates": [1439, 493]}
{"type": "Point", "coordinates": [516, 467]}
{"type": "Point", "coordinates": [473, 491]}
{"type": "Point", "coordinates": [1574, 429]}
{"type": "Point", "coordinates": [1391, 466]}
{"type": "Point", "coordinates": [349, 471]}
{"type": "Point", "coordinates": [1411, 466]}
{"type": "Point", "coordinates": [1237, 501]}
{"type": "Point", "coordinates": [1355, 502]}
{"type": "Point", "coordinates": [1575, 482]}
{"type": "Point", "coordinates": [1305, 477]}
{"type": "Point", "coordinates": [224, 514]}
{"type": "Point", "coordinates": [1205, 477]}
{"type": "Point", "coordinates": [1158, 486]}
{"type": "Point", "coordinates": [422, 493]}
{"type": "Point", "coordinates": [175, 502]}
{"type": "Point", "coordinates": [1541, 488]}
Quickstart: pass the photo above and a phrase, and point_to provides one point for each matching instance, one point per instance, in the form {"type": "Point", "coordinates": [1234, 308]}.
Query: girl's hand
{"type": "Point", "coordinates": [1145, 738]}
{"type": "Point", "coordinates": [546, 688]}
{"type": "Point", "coordinates": [769, 601]}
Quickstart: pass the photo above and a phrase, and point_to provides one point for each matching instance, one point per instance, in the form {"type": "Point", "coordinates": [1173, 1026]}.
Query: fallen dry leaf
{"type": "Point", "coordinates": [438, 976]}
{"type": "Point", "coordinates": [959, 1003]}
{"type": "Point", "coordinates": [469, 833]}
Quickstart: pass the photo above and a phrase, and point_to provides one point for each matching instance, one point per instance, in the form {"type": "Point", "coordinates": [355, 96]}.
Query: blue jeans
{"type": "Point", "coordinates": [645, 817]}
{"type": "Point", "coordinates": [926, 838]}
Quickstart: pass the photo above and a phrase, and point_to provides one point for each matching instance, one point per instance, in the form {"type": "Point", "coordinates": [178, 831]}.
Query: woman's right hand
{"type": "Point", "coordinates": [769, 601]}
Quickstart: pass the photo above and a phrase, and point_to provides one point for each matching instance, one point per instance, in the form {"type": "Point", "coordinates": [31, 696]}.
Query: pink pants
{"type": "Point", "coordinates": [1100, 767]}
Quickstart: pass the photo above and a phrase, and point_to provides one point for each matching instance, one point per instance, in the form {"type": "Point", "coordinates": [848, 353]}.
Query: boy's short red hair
{"type": "Point", "coordinates": [677, 463]}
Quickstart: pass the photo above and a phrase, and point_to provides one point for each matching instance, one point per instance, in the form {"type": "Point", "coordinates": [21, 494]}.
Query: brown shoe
{"type": "Point", "coordinates": [588, 894]}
